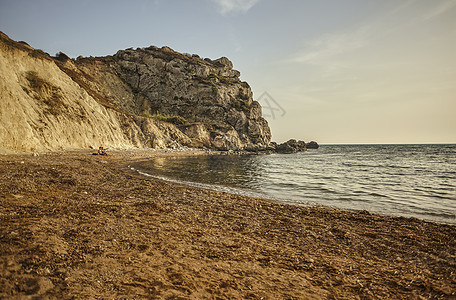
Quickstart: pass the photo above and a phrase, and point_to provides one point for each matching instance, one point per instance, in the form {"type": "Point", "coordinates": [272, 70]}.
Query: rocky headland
{"type": "Point", "coordinates": [146, 97]}
{"type": "Point", "coordinates": [137, 98]}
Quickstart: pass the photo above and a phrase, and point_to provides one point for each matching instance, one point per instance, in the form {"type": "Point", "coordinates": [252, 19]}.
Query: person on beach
{"type": "Point", "coordinates": [101, 151]}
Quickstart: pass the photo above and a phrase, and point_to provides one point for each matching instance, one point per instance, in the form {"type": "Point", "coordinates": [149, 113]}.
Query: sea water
{"type": "Point", "coordinates": [401, 180]}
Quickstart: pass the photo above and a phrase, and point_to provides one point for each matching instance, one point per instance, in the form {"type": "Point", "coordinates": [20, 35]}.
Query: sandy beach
{"type": "Point", "coordinates": [73, 225]}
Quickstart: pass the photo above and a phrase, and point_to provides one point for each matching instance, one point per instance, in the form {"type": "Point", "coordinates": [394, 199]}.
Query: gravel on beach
{"type": "Point", "coordinates": [75, 225]}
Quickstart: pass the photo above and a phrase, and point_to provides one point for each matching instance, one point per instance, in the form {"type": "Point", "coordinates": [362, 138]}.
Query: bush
{"type": "Point", "coordinates": [242, 105]}
{"type": "Point", "coordinates": [214, 90]}
{"type": "Point", "coordinates": [37, 83]}
{"type": "Point", "coordinates": [62, 56]}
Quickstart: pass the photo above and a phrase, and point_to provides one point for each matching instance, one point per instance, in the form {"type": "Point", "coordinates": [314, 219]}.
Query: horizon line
{"type": "Point", "coordinates": [439, 143]}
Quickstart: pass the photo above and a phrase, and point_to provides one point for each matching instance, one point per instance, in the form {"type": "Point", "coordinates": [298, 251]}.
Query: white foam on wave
{"type": "Point", "coordinates": [213, 187]}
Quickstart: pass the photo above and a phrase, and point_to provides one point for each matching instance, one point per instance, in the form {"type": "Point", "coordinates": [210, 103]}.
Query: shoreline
{"type": "Point", "coordinates": [77, 225]}
{"type": "Point", "coordinates": [280, 201]}
{"type": "Point", "coordinates": [441, 219]}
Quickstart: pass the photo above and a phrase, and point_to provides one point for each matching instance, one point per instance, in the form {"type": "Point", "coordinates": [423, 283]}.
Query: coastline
{"type": "Point", "coordinates": [77, 225]}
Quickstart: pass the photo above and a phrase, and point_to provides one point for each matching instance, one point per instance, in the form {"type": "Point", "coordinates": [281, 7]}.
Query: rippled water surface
{"type": "Point", "coordinates": [406, 180]}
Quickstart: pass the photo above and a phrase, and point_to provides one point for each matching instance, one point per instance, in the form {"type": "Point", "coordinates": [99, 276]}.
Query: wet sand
{"type": "Point", "coordinates": [73, 225]}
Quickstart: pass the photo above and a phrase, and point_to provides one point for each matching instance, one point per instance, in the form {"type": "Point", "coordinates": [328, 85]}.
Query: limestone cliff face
{"type": "Point", "coordinates": [136, 98]}
{"type": "Point", "coordinates": [215, 108]}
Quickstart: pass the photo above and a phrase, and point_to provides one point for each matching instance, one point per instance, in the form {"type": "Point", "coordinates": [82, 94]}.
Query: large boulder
{"type": "Point", "coordinates": [291, 146]}
{"type": "Point", "coordinates": [312, 145]}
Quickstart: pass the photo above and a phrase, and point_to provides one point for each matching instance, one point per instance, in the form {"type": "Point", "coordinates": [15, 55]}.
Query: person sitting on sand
{"type": "Point", "coordinates": [101, 151]}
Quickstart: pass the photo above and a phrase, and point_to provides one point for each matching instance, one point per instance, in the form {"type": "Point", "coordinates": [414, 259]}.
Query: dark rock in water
{"type": "Point", "coordinates": [291, 146]}
{"type": "Point", "coordinates": [272, 146]}
{"type": "Point", "coordinates": [301, 146]}
{"type": "Point", "coordinates": [255, 148]}
{"type": "Point", "coordinates": [312, 145]}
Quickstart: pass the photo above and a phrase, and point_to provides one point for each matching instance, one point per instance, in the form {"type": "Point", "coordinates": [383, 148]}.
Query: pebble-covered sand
{"type": "Point", "coordinates": [73, 225]}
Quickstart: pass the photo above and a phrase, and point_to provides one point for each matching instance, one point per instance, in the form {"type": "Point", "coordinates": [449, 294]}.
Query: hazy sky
{"type": "Point", "coordinates": [335, 71]}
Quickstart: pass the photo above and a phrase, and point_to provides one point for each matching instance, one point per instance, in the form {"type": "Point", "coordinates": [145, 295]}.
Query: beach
{"type": "Point", "coordinates": [75, 225]}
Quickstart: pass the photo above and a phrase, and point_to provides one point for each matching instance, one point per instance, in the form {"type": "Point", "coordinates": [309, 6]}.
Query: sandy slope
{"type": "Point", "coordinates": [82, 226]}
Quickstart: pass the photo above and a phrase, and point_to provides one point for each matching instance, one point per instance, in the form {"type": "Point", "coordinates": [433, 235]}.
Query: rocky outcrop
{"type": "Point", "coordinates": [312, 145]}
{"type": "Point", "coordinates": [291, 146]}
{"type": "Point", "coordinates": [150, 97]}
{"type": "Point", "coordinates": [162, 82]}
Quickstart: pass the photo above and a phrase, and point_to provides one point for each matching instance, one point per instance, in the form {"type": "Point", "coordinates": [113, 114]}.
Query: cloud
{"type": "Point", "coordinates": [440, 9]}
{"type": "Point", "coordinates": [403, 17]}
{"type": "Point", "coordinates": [234, 6]}
{"type": "Point", "coordinates": [328, 46]}
{"type": "Point", "coordinates": [403, 6]}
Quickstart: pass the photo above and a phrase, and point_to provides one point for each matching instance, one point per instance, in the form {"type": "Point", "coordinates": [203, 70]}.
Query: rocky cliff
{"type": "Point", "coordinates": [152, 97]}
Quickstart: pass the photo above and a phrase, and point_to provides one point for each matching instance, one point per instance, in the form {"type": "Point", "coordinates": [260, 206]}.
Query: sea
{"type": "Point", "coordinates": [399, 180]}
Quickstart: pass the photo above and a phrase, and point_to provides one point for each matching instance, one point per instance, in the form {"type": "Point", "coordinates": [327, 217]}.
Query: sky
{"type": "Point", "coordinates": [333, 71]}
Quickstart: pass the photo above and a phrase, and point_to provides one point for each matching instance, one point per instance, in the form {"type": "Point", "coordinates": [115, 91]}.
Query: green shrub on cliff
{"type": "Point", "coordinates": [214, 90]}
{"type": "Point", "coordinates": [241, 104]}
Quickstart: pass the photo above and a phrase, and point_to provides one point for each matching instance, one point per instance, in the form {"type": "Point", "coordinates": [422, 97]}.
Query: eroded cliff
{"type": "Point", "coordinates": [151, 97]}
